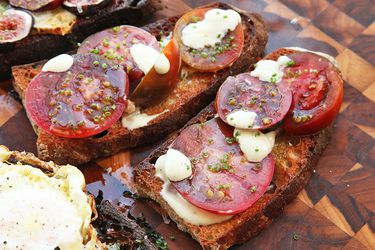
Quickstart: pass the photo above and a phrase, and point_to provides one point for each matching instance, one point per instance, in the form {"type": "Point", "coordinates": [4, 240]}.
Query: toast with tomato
{"type": "Point", "coordinates": [233, 168]}
{"type": "Point", "coordinates": [113, 66]}
{"type": "Point", "coordinates": [42, 29]}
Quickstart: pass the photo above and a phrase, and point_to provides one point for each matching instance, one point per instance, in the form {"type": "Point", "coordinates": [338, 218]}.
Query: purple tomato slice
{"type": "Point", "coordinates": [83, 101]}
{"type": "Point", "coordinates": [270, 101]}
{"type": "Point", "coordinates": [223, 181]}
{"type": "Point", "coordinates": [114, 44]}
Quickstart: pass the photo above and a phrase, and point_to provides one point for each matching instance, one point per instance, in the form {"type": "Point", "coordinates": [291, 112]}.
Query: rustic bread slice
{"type": "Point", "coordinates": [294, 160]}
{"type": "Point", "coordinates": [38, 46]}
{"type": "Point", "coordinates": [194, 91]}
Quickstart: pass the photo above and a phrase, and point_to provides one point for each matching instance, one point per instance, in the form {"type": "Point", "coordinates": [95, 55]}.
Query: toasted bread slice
{"type": "Point", "coordinates": [37, 45]}
{"type": "Point", "coordinates": [194, 91]}
{"type": "Point", "coordinates": [294, 161]}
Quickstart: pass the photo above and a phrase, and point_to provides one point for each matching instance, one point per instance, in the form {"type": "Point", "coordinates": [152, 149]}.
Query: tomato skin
{"type": "Point", "coordinates": [200, 63]}
{"type": "Point", "coordinates": [154, 87]}
{"type": "Point", "coordinates": [323, 107]}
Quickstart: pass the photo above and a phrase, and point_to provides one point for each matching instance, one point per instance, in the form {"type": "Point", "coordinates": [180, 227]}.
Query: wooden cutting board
{"type": "Point", "coordinates": [336, 209]}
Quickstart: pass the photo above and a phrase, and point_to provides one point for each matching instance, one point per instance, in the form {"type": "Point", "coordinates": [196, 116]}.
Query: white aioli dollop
{"type": "Point", "coordinates": [269, 70]}
{"type": "Point", "coordinates": [211, 29]}
{"type": "Point", "coordinates": [60, 63]}
{"type": "Point", "coordinates": [254, 144]}
{"type": "Point", "coordinates": [241, 118]}
{"type": "Point", "coordinates": [147, 57]}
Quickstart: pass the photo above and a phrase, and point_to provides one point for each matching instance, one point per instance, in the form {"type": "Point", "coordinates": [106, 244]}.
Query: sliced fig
{"type": "Point", "coordinates": [36, 5]}
{"type": "Point", "coordinates": [85, 7]}
{"type": "Point", "coordinates": [14, 26]}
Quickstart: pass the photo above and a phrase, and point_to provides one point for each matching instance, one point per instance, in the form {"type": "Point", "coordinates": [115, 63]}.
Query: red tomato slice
{"type": "Point", "coordinates": [270, 101]}
{"type": "Point", "coordinates": [114, 44]}
{"type": "Point", "coordinates": [317, 93]}
{"type": "Point", "coordinates": [83, 101]}
{"type": "Point", "coordinates": [223, 181]}
{"type": "Point", "coordinates": [209, 59]}
{"type": "Point", "coordinates": [154, 87]}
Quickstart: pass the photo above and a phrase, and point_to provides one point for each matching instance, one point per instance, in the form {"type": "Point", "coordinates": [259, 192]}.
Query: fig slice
{"type": "Point", "coordinates": [36, 5]}
{"type": "Point", "coordinates": [84, 7]}
{"type": "Point", "coordinates": [15, 25]}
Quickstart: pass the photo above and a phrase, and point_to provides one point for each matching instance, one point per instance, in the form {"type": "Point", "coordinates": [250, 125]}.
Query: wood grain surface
{"type": "Point", "coordinates": [336, 210]}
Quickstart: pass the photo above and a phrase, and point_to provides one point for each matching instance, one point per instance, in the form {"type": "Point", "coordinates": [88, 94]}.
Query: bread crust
{"type": "Point", "coordinates": [294, 157]}
{"type": "Point", "coordinates": [183, 103]}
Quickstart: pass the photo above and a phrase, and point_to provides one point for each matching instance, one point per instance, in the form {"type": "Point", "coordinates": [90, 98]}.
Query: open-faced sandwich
{"type": "Point", "coordinates": [46, 206]}
{"type": "Point", "coordinates": [32, 30]}
{"type": "Point", "coordinates": [233, 168]}
{"type": "Point", "coordinates": [127, 86]}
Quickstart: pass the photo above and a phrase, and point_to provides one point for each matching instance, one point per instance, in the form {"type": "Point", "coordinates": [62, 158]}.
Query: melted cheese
{"type": "Point", "coordinates": [41, 212]}
{"type": "Point", "coordinates": [147, 57]}
{"type": "Point", "coordinates": [211, 30]}
{"type": "Point", "coordinates": [241, 119]}
{"type": "Point", "coordinates": [60, 63]}
{"type": "Point", "coordinates": [138, 119]}
{"type": "Point", "coordinates": [58, 21]}
{"type": "Point", "coordinates": [188, 212]}
{"type": "Point", "coordinates": [328, 57]}
{"type": "Point", "coordinates": [269, 70]}
{"type": "Point", "coordinates": [254, 144]}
